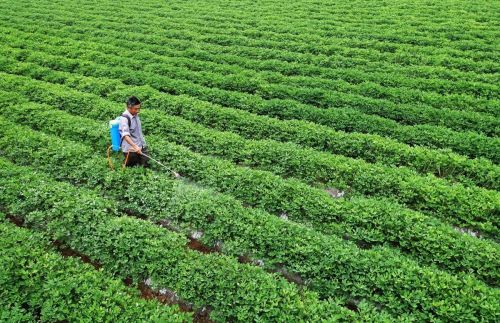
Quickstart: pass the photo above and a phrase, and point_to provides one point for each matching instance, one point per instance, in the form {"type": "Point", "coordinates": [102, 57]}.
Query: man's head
{"type": "Point", "coordinates": [133, 105]}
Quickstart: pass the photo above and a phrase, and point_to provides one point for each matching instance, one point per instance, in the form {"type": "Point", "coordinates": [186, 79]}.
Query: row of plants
{"type": "Point", "coordinates": [366, 90]}
{"type": "Point", "coordinates": [435, 197]}
{"type": "Point", "coordinates": [426, 194]}
{"type": "Point", "coordinates": [38, 284]}
{"type": "Point", "coordinates": [337, 95]}
{"type": "Point", "coordinates": [364, 294]}
{"type": "Point", "coordinates": [459, 92]}
{"type": "Point", "coordinates": [471, 144]}
{"type": "Point", "coordinates": [370, 148]}
{"type": "Point", "coordinates": [344, 39]}
{"type": "Point", "coordinates": [411, 292]}
{"type": "Point", "coordinates": [367, 221]}
{"type": "Point", "coordinates": [335, 30]}
{"type": "Point", "coordinates": [322, 60]}
{"type": "Point", "coordinates": [142, 251]}
{"type": "Point", "coordinates": [354, 25]}
{"type": "Point", "coordinates": [478, 60]}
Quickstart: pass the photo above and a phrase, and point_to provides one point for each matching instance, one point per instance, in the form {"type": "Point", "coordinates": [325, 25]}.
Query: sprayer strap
{"type": "Point", "coordinates": [128, 118]}
{"type": "Point", "coordinates": [129, 124]}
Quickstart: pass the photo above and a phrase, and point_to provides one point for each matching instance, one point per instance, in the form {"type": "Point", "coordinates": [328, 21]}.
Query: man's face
{"type": "Point", "coordinates": [134, 109]}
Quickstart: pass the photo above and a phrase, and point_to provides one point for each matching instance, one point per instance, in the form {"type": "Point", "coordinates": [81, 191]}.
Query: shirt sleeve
{"type": "Point", "coordinates": [124, 128]}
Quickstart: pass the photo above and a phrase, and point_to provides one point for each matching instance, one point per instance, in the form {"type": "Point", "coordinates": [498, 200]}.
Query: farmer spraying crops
{"type": "Point", "coordinates": [126, 135]}
{"type": "Point", "coordinates": [133, 143]}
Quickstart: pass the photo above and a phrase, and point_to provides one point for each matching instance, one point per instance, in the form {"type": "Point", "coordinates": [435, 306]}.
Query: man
{"type": "Point", "coordinates": [133, 143]}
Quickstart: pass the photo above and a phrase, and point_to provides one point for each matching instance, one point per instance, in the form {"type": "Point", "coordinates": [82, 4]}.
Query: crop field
{"type": "Point", "coordinates": [338, 161]}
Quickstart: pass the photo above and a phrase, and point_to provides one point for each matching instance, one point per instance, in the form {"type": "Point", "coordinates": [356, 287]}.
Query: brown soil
{"type": "Point", "coordinates": [68, 252]}
{"type": "Point", "coordinates": [169, 298]}
{"type": "Point", "coordinates": [194, 244]}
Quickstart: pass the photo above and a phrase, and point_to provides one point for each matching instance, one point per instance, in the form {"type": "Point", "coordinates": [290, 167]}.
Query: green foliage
{"type": "Point", "coordinates": [330, 266]}
{"type": "Point", "coordinates": [395, 102]}
{"type": "Point", "coordinates": [301, 202]}
{"type": "Point", "coordinates": [37, 284]}
{"type": "Point", "coordinates": [365, 178]}
{"type": "Point", "coordinates": [468, 143]}
{"type": "Point", "coordinates": [129, 247]}
{"type": "Point", "coordinates": [368, 147]}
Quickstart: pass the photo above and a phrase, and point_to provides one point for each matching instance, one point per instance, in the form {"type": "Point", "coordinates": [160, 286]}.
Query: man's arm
{"type": "Point", "coordinates": [131, 143]}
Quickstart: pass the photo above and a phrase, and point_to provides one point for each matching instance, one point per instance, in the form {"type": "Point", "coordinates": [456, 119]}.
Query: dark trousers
{"type": "Point", "coordinates": [134, 159]}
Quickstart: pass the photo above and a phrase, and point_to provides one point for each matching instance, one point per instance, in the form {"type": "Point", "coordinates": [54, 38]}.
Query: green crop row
{"type": "Point", "coordinates": [353, 25]}
{"type": "Point", "coordinates": [426, 250]}
{"type": "Point", "coordinates": [138, 249]}
{"type": "Point", "coordinates": [318, 60]}
{"type": "Point", "coordinates": [245, 57]}
{"type": "Point", "coordinates": [244, 25]}
{"type": "Point", "coordinates": [306, 245]}
{"type": "Point", "coordinates": [372, 149]}
{"type": "Point", "coordinates": [479, 59]}
{"type": "Point", "coordinates": [51, 288]}
{"type": "Point", "coordinates": [186, 207]}
{"type": "Point", "coordinates": [352, 272]}
{"type": "Point", "coordinates": [169, 47]}
{"type": "Point", "coordinates": [468, 143]}
{"type": "Point", "coordinates": [368, 147]}
{"type": "Point", "coordinates": [307, 90]}
{"type": "Point", "coordinates": [451, 203]}
{"type": "Point", "coordinates": [308, 93]}
{"type": "Point", "coordinates": [427, 194]}
{"type": "Point", "coordinates": [368, 221]}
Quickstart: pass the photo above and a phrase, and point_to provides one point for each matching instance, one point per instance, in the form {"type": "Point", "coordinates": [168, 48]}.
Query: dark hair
{"type": "Point", "coordinates": [132, 101]}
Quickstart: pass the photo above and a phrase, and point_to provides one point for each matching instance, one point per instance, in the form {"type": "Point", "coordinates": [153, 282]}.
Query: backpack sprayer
{"type": "Point", "coordinates": [116, 140]}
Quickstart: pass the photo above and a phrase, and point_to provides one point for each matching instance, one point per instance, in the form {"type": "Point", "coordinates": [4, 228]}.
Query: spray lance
{"type": "Point", "coordinates": [162, 165]}
{"type": "Point", "coordinates": [116, 143]}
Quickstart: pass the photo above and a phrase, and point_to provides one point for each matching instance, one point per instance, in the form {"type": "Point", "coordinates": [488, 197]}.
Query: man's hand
{"type": "Point", "coordinates": [137, 149]}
